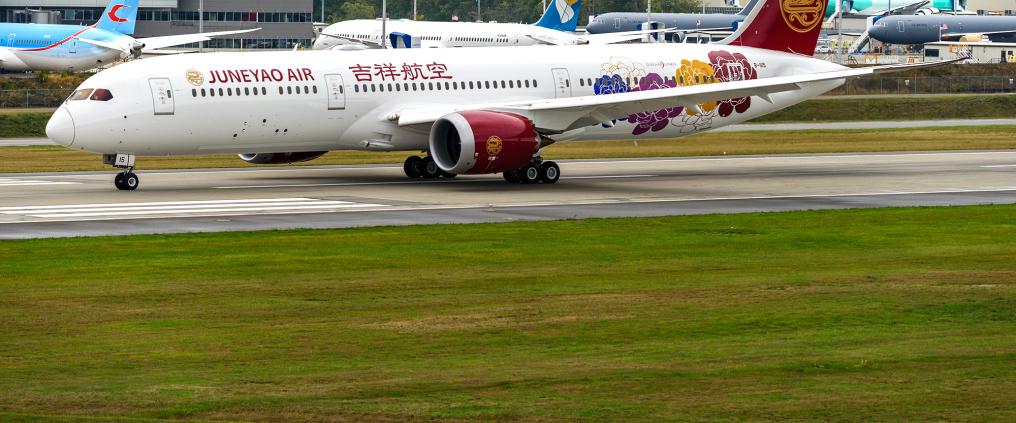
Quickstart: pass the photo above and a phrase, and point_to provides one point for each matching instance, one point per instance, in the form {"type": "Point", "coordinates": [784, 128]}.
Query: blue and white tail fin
{"type": "Point", "coordinates": [561, 15]}
{"type": "Point", "coordinates": [119, 16]}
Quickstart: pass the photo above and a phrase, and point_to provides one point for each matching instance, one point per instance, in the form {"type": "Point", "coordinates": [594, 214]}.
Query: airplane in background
{"type": "Point", "coordinates": [475, 111]}
{"type": "Point", "coordinates": [683, 23]}
{"type": "Point", "coordinates": [895, 7]}
{"type": "Point", "coordinates": [931, 28]}
{"type": "Point", "coordinates": [555, 27]}
{"type": "Point", "coordinates": [25, 47]}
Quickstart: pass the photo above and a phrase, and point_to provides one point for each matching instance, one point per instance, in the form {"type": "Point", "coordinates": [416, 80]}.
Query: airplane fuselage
{"type": "Point", "coordinates": [927, 29]}
{"type": "Point", "coordinates": [433, 34]}
{"type": "Point", "coordinates": [26, 47]}
{"type": "Point", "coordinates": [330, 100]}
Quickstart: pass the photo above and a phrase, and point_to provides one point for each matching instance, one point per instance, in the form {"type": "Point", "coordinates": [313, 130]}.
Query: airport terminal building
{"type": "Point", "coordinates": [284, 23]}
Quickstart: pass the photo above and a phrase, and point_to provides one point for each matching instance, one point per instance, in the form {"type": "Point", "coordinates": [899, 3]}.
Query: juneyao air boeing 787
{"type": "Point", "coordinates": [474, 111]}
{"type": "Point", "coordinates": [75, 48]}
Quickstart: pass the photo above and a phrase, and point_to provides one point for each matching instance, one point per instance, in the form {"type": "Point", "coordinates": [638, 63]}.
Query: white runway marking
{"type": "Point", "coordinates": [17, 182]}
{"type": "Point", "coordinates": [418, 181]}
{"type": "Point", "coordinates": [997, 166]}
{"type": "Point", "coordinates": [219, 207]}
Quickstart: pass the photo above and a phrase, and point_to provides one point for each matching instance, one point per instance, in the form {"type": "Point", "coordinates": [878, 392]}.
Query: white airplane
{"type": "Point", "coordinates": [475, 111]}
{"type": "Point", "coordinates": [75, 48]}
{"type": "Point", "coordinates": [556, 27]}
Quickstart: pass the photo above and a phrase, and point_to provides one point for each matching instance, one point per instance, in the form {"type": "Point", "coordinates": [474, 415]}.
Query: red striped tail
{"type": "Point", "coordinates": [792, 26]}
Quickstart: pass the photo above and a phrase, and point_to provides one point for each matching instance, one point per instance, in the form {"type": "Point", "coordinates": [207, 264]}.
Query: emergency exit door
{"type": "Point", "coordinates": [336, 92]}
{"type": "Point", "coordinates": [562, 83]}
{"type": "Point", "coordinates": [162, 96]}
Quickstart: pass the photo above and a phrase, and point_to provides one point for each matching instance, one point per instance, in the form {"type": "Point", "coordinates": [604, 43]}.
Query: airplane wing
{"type": "Point", "coordinates": [369, 44]}
{"type": "Point", "coordinates": [564, 114]}
{"type": "Point", "coordinates": [905, 9]}
{"type": "Point", "coordinates": [596, 39]}
{"type": "Point", "coordinates": [620, 37]}
{"type": "Point", "coordinates": [104, 44]}
{"type": "Point", "coordinates": [155, 43]}
{"type": "Point", "coordinates": [958, 35]}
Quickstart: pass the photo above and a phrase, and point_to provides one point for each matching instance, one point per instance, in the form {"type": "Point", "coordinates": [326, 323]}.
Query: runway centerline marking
{"type": "Point", "coordinates": [417, 182]}
{"type": "Point", "coordinates": [998, 166]}
{"type": "Point", "coordinates": [20, 182]}
{"type": "Point", "coordinates": [184, 208]}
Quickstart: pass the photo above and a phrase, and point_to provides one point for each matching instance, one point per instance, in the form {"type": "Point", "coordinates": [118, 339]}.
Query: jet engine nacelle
{"type": "Point", "coordinates": [927, 11]}
{"type": "Point", "coordinates": [480, 141]}
{"type": "Point", "coordinates": [281, 158]}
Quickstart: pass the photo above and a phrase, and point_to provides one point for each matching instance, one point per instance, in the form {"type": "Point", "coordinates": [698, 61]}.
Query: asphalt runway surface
{"type": "Point", "coordinates": [817, 126]}
{"type": "Point", "coordinates": [87, 204]}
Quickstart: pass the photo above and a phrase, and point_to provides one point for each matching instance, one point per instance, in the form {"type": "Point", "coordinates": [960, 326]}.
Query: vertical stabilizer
{"type": "Point", "coordinates": [120, 16]}
{"type": "Point", "coordinates": [561, 15]}
{"type": "Point", "coordinates": [792, 26]}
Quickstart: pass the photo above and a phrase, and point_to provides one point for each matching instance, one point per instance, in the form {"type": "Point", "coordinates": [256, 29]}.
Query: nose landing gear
{"type": "Point", "coordinates": [126, 180]}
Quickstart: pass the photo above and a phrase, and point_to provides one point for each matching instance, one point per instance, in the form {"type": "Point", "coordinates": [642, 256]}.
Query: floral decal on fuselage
{"type": "Point", "coordinates": [656, 120]}
{"type": "Point", "coordinates": [622, 75]}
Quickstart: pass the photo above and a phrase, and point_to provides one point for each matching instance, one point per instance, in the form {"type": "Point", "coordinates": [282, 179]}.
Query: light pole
{"type": "Point", "coordinates": [322, 11]}
{"type": "Point", "coordinates": [201, 24]}
{"type": "Point", "coordinates": [414, 10]}
{"type": "Point", "coordinates": [384, 22]}
{"type": "Point", "coordinates": [478, 19]}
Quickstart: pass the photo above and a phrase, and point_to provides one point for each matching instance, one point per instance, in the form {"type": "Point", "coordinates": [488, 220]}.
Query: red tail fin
{"type": "Point", "coordinates": [782, 25]}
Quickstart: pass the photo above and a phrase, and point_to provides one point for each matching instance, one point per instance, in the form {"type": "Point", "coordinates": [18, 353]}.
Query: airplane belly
{"type": "Point", "coordinates": [10, 62]}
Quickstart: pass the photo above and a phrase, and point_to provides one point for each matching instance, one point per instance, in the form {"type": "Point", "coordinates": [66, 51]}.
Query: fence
{"type": "Point", "coordinates": [33, 98]}
{"type": "Point", "coordinates": [928, 85]}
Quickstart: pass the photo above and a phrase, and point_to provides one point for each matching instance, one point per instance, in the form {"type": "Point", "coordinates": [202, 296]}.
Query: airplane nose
{"type": "Point", "coordinates": [60, 128]}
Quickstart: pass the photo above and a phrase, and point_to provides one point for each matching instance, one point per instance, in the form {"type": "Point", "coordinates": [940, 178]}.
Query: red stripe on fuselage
{"type": "Point", "coordinates": [60, 42]}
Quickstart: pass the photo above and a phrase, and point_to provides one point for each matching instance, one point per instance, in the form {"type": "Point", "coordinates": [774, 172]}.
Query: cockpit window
{"type": "Point", "coordinates": [102, 95]}
{"type": "Point", "coordinates": [81, 94]}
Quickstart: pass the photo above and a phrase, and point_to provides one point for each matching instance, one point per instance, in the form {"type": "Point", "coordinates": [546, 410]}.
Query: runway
{"type": "Point", "coordinates": [811, 126]}
{"type": "Point", "coordinates": [86, 204]}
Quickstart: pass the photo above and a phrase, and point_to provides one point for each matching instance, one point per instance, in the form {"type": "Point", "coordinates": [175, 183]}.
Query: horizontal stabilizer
{"type": "Point", "coordinates": [155, 43]}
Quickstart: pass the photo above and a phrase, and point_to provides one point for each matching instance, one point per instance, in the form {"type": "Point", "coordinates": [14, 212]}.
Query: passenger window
{"type": "Point", "coordinates": [194, 92]}
{"type": "Point", "coordinates": [381, 87]}
{"type": "Point", "coordinates": [446, 86]}
{"type": "Point", "coordinates": [246, 91]}
{"type": "Point", "coordinates": [470, 84]}
{"type": "Point", "coordinates": [211, 92]}
{"type": "Point", "coordinates": [389, 87]}
{"type": "Point", "coordinates": [511, 84]}
{"type": "Point", "coordinates": [306, 89]}
{"type": "Point", "coordinates": [281, 91]}
{"type": "Point", "coordinates": [373, 88]}
{"type": "Point", "coordinates": [527, 83]}
{"type": "Point", "coordinates": [104, 95]}
{"type": "Point", "coordinates": [220, 92]}
{"type": "Point", "coordinates": [229, 91]}
{"type": "Point", "coordinates": [486, 84]}
{"type": "Point", "coordinates": [264, 91]}
{"type": "Point", "coordinates": [356, 88]}
{"type": "Point", "coordinates": [289, 90]}
{"type": "Point", "coordinates": [534, 83]}
{"type": "Point", "coordinates": [203, 92]}
{"type": "Point", "coordinates": [430, 86]}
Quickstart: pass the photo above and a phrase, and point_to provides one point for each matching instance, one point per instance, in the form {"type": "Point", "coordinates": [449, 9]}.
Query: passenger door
{"type": "Point", "coordinates": [336, 92]}
{"type": "Point", "coordinates": [562, 83]}
{"type": "Point", "coordinates": [11, 39]}
{"type": "Point", "coordinates": [162, 96]}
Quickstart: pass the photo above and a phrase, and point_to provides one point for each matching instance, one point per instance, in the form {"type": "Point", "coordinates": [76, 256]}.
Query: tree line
{"type": "Point", "coordinates": [513, 11]}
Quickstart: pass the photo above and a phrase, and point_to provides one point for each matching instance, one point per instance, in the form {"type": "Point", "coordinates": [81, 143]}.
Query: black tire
{"type": "Point", "coordinates": [530, 174]}
{"type": "Point", "coordinates": [118, 181]}
{"type": "Point", "coordinates": [430, 169]}
{"type": "Point", "coordinates": [447, 175]}
{"type": "Point", "coordinates": [550, 172]}
{"type": "Point", "coordinates": [131, 181]}
{"type": "Point", "coordinates": [413, 167]}
{"type": "Point", "coordinates": [511, 176]}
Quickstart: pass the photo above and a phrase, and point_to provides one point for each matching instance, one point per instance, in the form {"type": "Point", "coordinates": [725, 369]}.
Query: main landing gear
{"type": "Point", "coordinates": [126, 180]}
{"type": "Point", "coordinates": [537, 171]}
{"type": "Point", "coordinates": [424, 167]}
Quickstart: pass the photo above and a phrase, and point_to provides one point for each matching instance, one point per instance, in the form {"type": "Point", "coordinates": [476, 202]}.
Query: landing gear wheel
{"type": "Point", "coordinates": [511, 176]}
{"type": "Point", "coordinates": [126, 181]}
{"type": "Point", "coordinates": [413, 167]}
{"type": "Point", "coordinates": [550, 172]}
{"type": "Point", "coordinates": [430, 169]}
{"type": "Point", "coordinates": [530, 174]}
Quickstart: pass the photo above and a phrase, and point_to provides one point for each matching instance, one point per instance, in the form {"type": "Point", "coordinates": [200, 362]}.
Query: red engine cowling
{"type": "Point", "coordinates": [479, 141]}
{"type": "Point", "coordinates": [281, 158]}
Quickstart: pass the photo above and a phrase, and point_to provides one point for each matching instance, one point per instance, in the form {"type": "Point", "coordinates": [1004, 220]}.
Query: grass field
{"type": "Point", "coordinates": [53, 159]}
{"type": "Point", "coordinates": [892, 314]}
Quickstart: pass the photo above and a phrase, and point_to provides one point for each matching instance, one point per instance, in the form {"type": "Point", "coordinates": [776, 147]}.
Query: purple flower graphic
{"type": "Point", "coordinates": [655, 120]}
{"type": "Point", "coordinates": [732, 67]}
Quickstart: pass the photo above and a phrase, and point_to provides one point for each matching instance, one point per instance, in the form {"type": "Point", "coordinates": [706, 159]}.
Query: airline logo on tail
{"type": "Point", "coordinates": [561, 15]}
{"type": "Point", "coordinates": [802, 15]}
{"type": "Point", "coordinates": [112, 13]}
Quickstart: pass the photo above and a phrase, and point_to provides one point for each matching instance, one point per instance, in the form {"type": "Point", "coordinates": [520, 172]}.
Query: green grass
{"type": "Point", "coordinates": [898, 314]}
{"type": "Point", "coordinates": [23, 125]}
{"type": "Point", "coordinates": [897, 108]}
{"type": "Point", "coordinates": [59, 159]}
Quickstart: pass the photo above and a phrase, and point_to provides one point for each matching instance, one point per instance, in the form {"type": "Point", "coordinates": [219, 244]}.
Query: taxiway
{"type": "Point", "coordinates": [86, 204]}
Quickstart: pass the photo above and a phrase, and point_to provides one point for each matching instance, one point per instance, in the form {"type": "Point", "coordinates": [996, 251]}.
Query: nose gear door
{"type": "Point", "coordinates": [336, 92]}
{"type": "Point", "coordinates": [162, 96]}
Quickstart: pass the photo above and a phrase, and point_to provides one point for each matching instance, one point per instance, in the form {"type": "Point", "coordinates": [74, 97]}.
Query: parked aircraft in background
{"type": "Point", "coordinates": [554, 28]}
{"type": "Point", "coordinates": [926, 29]}
{"type": "Point", "coordinates": [681, 22]}
{"type": "Point", "coordinates": [75, 48]}
{"type": "Point", "coordinates": [476, 111]}
{"type": "Point", "coordinates": [900, 7]}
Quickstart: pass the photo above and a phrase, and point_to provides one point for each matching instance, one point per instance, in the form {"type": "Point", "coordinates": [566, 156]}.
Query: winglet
{"type": "Point", "coordinates": [561, 15]}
